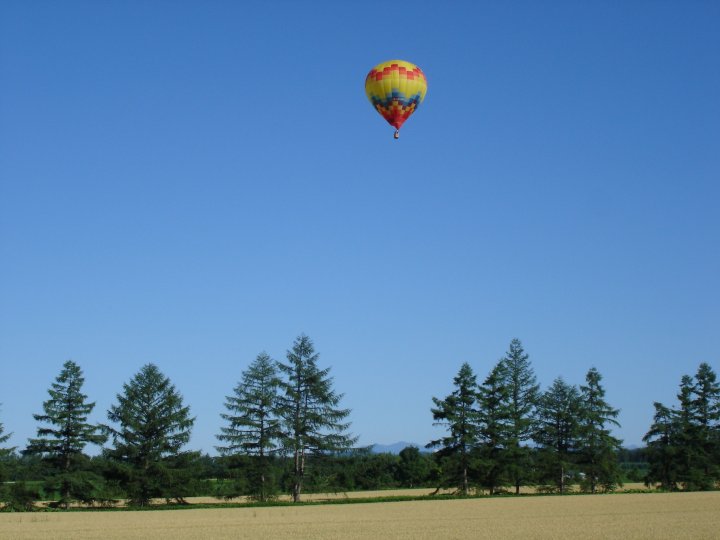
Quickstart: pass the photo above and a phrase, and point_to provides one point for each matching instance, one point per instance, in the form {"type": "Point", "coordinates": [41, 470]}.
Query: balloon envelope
{"type": "Point", "coordinates": [396, 88]}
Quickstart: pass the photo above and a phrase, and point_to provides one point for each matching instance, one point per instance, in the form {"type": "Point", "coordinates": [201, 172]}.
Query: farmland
{"type": "Point", "coordinates": [657, 515]}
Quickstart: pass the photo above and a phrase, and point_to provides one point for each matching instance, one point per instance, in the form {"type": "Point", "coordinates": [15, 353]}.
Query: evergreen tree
{"type": "Point", "coordinates": [312, 423]}
{"type": "Point", "coordinates": [684, 444]}
{"type": "Point", "coordinates": [662, 448]}
{"type": "Point", "coordinates": [597, 448]}
{"type": "Point", "coordinates": [152, 427]}
{"type": "Point", "coordinates": [523, 391]}
{"type": "Point", "coordinates": [5, 454]}
{"type": "Point", "coordinates": [494, 415]}
{"type": "Point", "coordinates": [689, 474]}
{"type": "Point", "coordinates": [458, 413]}
{"type": "Point", "coordinates": [63, 440]}
{"type": "Point", "coordinates": [557, 432]}
{"type": "Point", "coordinates": [705, 410]}
{"type": "Point", "coordinates": [253, 425]}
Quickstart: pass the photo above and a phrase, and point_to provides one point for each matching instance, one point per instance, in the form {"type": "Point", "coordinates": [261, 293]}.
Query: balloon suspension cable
{"type": "Point", "coordinates": [397, 134]}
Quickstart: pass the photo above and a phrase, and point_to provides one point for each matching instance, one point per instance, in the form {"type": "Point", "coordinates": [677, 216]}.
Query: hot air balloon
{"type": "Point", "coordinates": [396, 88]}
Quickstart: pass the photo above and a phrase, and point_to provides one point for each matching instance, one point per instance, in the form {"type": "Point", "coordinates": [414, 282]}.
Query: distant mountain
{"type": "Point", "coordinates": [394, 448]}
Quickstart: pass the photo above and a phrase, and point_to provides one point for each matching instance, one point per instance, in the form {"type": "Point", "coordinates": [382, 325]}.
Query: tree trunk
{"type": "Point", "coordinates": [65, 483]}
{"type": "Point", "coordinates": [262, 486]}
{"type": "Point", "coordinates": [299, 473]}
{"type": "Point", "coordinates": [296, 480]}
{"type": "Point", "coordinates": [262, 471]}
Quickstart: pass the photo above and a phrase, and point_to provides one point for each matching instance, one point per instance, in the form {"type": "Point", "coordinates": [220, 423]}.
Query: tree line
{"type": "Point", "coordinates": [279, 409]}
{"type": "Point", "coordinates": [504, 432]}
{"type": "Point", "coordinates": [285, 431]}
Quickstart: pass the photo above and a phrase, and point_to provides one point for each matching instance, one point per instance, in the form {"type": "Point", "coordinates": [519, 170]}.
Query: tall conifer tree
{"type": "Point", "coordinates": [705, 410]}
{"type": "Point", "coordinates": [684, 443]}
{"type": "Point", "coordinates": [152, 427]}
{"type": "Point", "coordinates": [458, 413]}
{"type": "Point", "coordinates": [688, 450]}
{"type": "Point", "coordinates": [312, 422]}
{"type": "Point", "coordinates": [663, 448]}
{"type": "Point", "coordinates": [67, 432]}
{"type": "Point", "coordinates": [597, 448]}
{"type": "Point", "coordinates": [523, 391]}
{"type": "Point", "coordinates": [5, 453]}
{"type": "Point", "coordinates": [557, 432]}
{"type": "Point", "coordinates": [253, 424]}
{"type": "Point", "coordinates": [494, 420]}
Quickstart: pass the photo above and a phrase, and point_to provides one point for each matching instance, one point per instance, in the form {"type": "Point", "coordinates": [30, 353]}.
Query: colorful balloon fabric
{"type": "Point", "coordinates": [396, 88]}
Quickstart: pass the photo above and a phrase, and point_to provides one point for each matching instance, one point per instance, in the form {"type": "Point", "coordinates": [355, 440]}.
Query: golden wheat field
{"type": "Point", "coordinates": [674, 515]}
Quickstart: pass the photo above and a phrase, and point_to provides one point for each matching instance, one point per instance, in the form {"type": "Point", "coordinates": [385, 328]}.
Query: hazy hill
{"type": "Point", "coordinates": [393, 448]}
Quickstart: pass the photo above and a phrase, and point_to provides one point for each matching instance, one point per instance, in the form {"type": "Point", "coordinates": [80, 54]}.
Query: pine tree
{"type": "Point", "coordinates": [523, 391]}
{"type": "Point", "coordinates": [253, 424]}
{"type": "Point", "coordinates": [312, 423]}
{"type": "Point", "coordinates": [63, 441]}
{"type": "Point", "coordinates": [705, 410]}
{"type": "Point", "coordinates": [684, 444]}
{"type": "Point", "coordinates": [689, 474]}
{"type": "Point", "coordinates": [5, 453]}
{"type": "Point", "coordinates": [152, 427]}
{"type": "Point", "coordinates": [557, 431]}
{"type": "Point", "coordinates": [494, 418]}
{"type": "Point", "coordinates": [662, 449]}
{"type": "Point", "coordinates": [597, 448]}
{"type": "Point", "coordinates": [458, 413]}
{"type": "Point", "coordinates": [697, 425]}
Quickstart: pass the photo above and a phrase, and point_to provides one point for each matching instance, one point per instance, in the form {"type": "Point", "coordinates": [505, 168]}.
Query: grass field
{"type": "Point", "coordinates": [657, 515]}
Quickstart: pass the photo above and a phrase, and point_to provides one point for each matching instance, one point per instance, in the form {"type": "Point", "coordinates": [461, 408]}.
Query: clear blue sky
{"type": "Point", "coordinates": [192, 183]}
